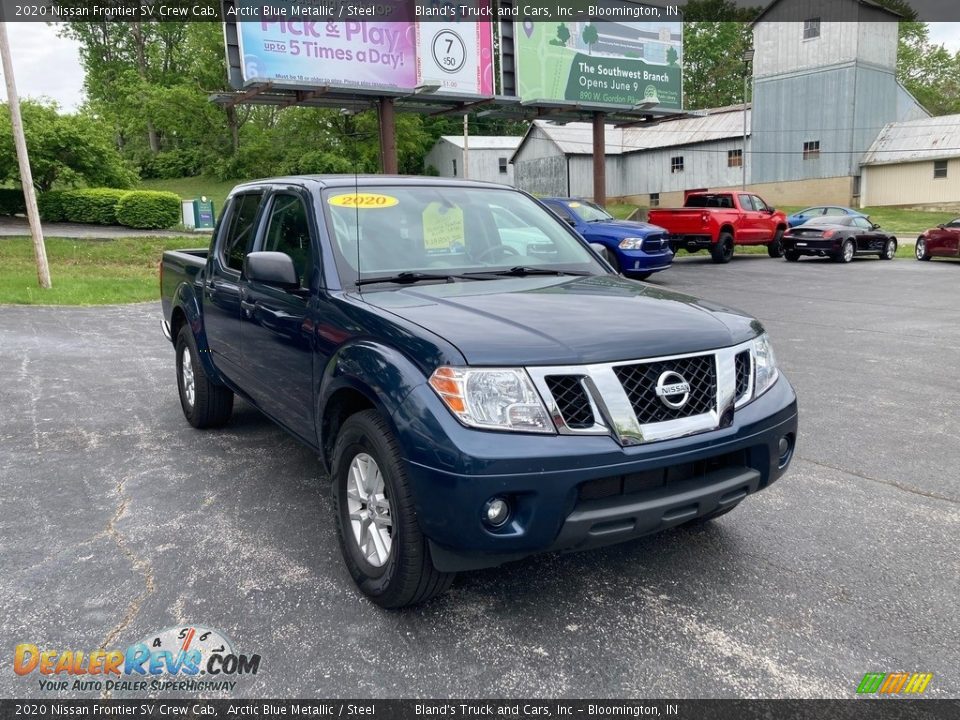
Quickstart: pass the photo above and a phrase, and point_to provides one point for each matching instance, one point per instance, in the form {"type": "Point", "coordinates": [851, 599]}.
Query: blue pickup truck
{"type": "Point", "coordinates": [476, 381]}
{"type": "Point", "coordinates": [636, 249]}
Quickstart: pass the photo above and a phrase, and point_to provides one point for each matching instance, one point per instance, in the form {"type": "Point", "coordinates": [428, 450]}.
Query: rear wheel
{"type": "Point", "coordinates": [380, 539]}
{"type": "Point", "coordinates": [775, 248]}
{"type": "Point", "coordinates": [889, 250]}
{"type": "Point", "coordinates": [921, 250]}
{"type": "Point", "coordinates": [722, 250]}
{"type": "Point", "coordinates": [846, 253]}
{"type": "Point", "coordinates": [205, 404]}
{"type": "Point", "coordinates": [791, 255]}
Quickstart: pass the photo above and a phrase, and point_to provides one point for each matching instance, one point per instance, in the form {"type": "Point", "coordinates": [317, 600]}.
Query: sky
{"type": "Point", "coordinates": [49, 66]}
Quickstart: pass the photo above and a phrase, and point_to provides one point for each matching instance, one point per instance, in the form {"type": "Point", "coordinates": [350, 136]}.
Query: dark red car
{"type": "Point", "coordinates": [941, 241]}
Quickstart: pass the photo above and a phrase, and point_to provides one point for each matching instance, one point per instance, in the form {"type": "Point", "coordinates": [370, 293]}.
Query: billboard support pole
{"type": "Point", "coordinates": [599, 159]}
{"type": "Point", "coordinates": [388, 137]}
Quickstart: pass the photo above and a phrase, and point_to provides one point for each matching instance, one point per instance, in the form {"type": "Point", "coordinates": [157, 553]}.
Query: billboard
{"type": "Point", "coordinates": [368, 55]}
{"type": "Point", "coordinates": [601, 62]}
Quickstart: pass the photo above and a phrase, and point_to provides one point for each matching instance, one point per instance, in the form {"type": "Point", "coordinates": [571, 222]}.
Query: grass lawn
{"type": "Point", "coordinates": [194, 187]}
{"type": "Point", "coordinates": [85, 272]}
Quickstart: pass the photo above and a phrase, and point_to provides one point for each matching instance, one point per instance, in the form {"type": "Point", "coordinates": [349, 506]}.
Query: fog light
{"type": "Point", "coordinates": [496, 512]}
{"type": "Point", "coordinates": [785, 450]}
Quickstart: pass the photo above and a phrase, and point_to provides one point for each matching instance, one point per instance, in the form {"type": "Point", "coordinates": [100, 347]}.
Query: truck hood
{"type": "Point", "coordinates": [564, 320]}
{"type": "Point", "coordinates": [624, 228]}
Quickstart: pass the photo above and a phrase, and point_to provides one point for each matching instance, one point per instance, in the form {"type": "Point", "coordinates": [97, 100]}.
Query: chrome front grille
{"type": "Point", "coordinates": [641, 401]}
{"type": "Point", "coordinates": [742, 361]}
{"type": "Point", "coordinates": [640, 383]}
{"type": "Point", "coordinates": [572, 400]}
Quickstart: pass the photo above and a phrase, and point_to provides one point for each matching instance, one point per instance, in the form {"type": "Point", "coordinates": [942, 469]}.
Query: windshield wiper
{"type": "Point", "coordinates": [521, 270]}
{"type": "Point", "coordinates": [408, 278]}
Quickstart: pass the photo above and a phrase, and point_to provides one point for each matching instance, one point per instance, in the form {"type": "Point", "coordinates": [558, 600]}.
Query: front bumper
{"type": "Point", "coordinates": [640, 261]}
{"type": "Point", "coordinates": [578, 492]}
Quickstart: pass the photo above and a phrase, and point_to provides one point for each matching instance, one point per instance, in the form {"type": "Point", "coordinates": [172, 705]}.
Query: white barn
{"type": "Point", "coordinates": [488, 157]}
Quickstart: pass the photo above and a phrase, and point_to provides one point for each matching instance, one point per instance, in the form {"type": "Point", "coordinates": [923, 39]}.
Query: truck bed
{"type": "Point", "coordinates": [176, 267]}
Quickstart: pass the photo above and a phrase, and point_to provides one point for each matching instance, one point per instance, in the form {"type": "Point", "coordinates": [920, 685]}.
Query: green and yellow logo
{"type": "Point", "coordinates": [894, 683]}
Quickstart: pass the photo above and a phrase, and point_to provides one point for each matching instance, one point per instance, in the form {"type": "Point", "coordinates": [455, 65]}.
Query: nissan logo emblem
{"type": "Point", "coordinates": [673, 390]}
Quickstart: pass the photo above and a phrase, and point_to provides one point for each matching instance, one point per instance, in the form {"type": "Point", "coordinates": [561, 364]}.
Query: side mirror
{"type": "Point", "coordinates": [875, 226]}
{"type": "Point", "coordinates": [570, 221]}
{"type": "Point", "coordinates": [271, 268]}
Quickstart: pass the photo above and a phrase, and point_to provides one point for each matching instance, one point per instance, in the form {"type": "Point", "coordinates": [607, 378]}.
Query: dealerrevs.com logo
{"type": "Point", "coordinates": [185, 659]}
{"type": "Point", "coordinates": [894, 683]}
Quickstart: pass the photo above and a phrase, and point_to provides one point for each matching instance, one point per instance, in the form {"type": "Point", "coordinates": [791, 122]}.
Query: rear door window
{"type": "Point", "coordinates": [239, 236]}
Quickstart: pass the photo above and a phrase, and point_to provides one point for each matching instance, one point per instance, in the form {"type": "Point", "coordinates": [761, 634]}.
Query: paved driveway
{"type": "Point", "coordinates": [18, 226]}
{"type": "Point", "coordinates": [118, 520]}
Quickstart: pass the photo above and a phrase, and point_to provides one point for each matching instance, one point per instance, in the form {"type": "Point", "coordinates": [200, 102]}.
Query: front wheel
{"type": "Point", "coordinates": [921, 250]}
{"type": "Point", "coordinates": [380, 539]}
{"type": "Point", "coordinates": [775, 248]}
{"type": "Point", "coordinates": [722, 251]}
{"type": "Point", "coordinates": [889, 250]}
{"type": "Point", "coordinates": [640, 276]}
{"type": "Point", "coordinates": [205, 404]}
{"type": "Point", "coordinates": [791, 255]}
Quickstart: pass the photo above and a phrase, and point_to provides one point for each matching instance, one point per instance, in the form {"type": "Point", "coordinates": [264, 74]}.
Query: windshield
{"type": "Point", "coordinates": [588, 211]}
{"type": "Point", "coordinates": [446, 231]}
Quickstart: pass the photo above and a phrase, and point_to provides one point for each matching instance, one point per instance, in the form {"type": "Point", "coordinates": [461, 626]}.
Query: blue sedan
{"type": "Point", "coordinates": [636, 249]}
{"type": "Point", "coordinates": [799, 218]}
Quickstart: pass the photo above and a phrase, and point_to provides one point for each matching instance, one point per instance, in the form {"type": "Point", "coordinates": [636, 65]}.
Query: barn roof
{"type": "Point", "coordinates": [933, 138]}
{"type": "Point", "coordinates": [485, 142]}
{"type": "Point", "coordinates": [576, 138]}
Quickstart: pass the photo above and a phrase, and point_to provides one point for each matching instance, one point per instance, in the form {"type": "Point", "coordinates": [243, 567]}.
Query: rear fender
{"type": "Point", "coordinates": [185, 301]}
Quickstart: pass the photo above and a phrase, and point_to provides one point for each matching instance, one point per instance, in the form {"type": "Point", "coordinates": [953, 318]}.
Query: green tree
{"type": "Point", "coordinates": [590, 37]}
{"type": "Point", "coordinates": [672, 56]}
{"type": "Point", "coordinates": [563, 33]}
{"type": "Point", "coordinates": [64, 149]}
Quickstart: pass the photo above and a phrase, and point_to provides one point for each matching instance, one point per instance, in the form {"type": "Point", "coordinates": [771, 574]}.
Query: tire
{"type": "Point", "coordinates": [847, 251]}
{"type": "Point", "coordinates": [921, 251]}
{"type": "Point", "coordinates": [205, 404]}
{"type": "Point", "coordinates": [775, 248]}
{"type": "Point", "coordinates": [640, 276]}
{"type": "Point", "coordinates": [612, 259]}
{"type": "Point", "coordinates": [722, 250]}
{"type": "Point", "coordinates": [791, 255]}
{"type": "Point", "coordinates": [393, 566]}
{"type": "Point", "coordinates": [889, 250]}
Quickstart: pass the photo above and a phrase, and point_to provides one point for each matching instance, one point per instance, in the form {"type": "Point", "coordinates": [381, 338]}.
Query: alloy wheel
{"type": "Point", "coordinates": [369, 510]}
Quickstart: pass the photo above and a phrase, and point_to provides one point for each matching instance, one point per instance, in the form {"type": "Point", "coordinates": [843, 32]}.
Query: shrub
{"type": "Point", "coordinates": [12, 202]}
{"type": "Point", "coordinates": [148, 210]}
{"type": "Point", "coordinates": [50, 205]}
{"type": "Point", "coordinates": [96, 205]}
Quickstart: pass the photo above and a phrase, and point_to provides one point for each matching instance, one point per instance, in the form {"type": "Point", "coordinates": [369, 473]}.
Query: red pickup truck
{"type": "Point", "coordinates": [716, 221]}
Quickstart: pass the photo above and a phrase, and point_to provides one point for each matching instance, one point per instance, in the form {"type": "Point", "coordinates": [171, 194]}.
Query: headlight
{"type": "Point", "coordinates": [492, 398]}
{"type": "Point", "coordinates": [631, 244]}
{"type": "Point", "coordinates": [765, 365]}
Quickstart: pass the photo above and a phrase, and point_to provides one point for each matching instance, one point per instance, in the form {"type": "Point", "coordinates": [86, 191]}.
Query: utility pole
{"type": "Point", "coordinates": [466, 147]}
{"type": "Point", "coordinates": [747, 59]}
{"type": "Point", "coordinates": [26, 177]}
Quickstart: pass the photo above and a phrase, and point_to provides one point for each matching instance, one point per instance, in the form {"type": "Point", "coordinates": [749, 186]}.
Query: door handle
{"type": "Point", "coordinates": [248, 307]}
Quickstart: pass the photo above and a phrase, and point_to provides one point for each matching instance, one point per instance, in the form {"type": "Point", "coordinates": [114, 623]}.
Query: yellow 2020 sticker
{"type": "Point", "coordinates": [363, 201]}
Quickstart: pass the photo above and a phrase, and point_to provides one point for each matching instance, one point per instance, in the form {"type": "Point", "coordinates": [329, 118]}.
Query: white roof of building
{"type": "Point", "coordinates": [933, 138]}
{"type": "Point", "coordinates": [485, 142]}
{"type": "Point", "coordinates": [716, 124]}
{"type": "Point", "coordinates": [576, 138]}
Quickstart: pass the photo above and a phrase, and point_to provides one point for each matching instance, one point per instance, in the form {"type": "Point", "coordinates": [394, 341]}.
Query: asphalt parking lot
{"type": "Point", "coordinates": [119, 520]}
